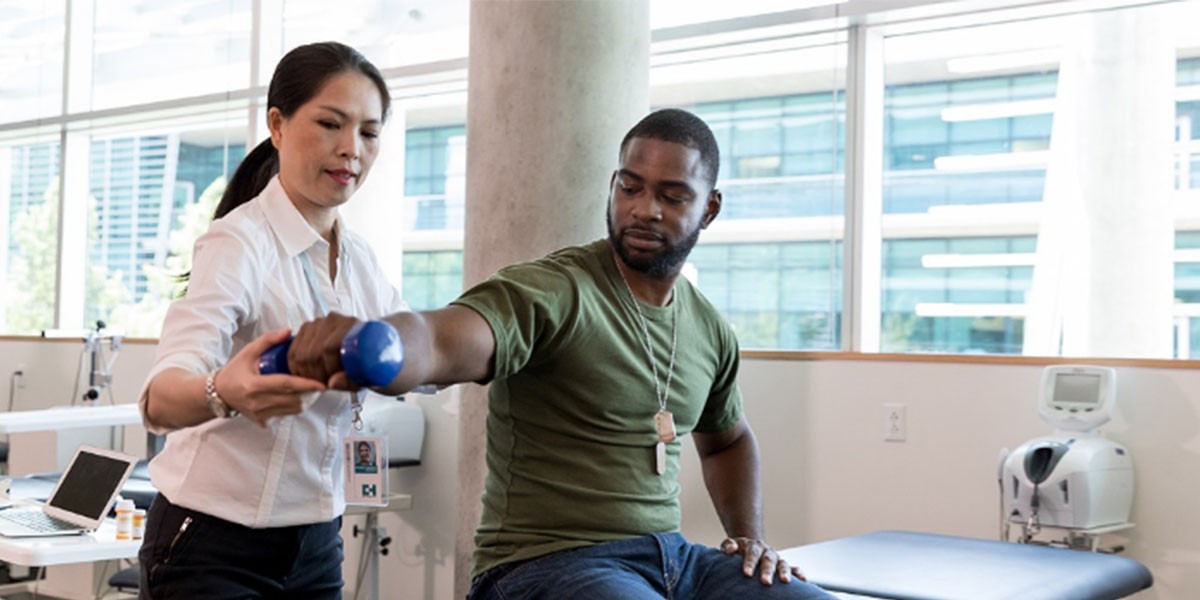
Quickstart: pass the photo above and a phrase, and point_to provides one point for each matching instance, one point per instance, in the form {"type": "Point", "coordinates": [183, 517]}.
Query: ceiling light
{"type": "Point", "coordinates": [1005, 161]}
{"type": "Point", "coordinates": [1000, 110]}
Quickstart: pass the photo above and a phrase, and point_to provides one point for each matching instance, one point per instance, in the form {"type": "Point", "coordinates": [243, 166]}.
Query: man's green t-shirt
{"type": "Point", "coordinates": [571, 434]}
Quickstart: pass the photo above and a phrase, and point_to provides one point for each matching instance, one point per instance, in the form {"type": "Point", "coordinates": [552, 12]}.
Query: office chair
{"type": "Point", "coordinates": [126, 580]}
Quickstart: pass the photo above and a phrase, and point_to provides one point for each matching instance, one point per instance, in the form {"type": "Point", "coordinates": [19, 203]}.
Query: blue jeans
{"type": "Point", "coordinates": [213, 558]}
{"type": "Point", "coordinates": [659, 566]}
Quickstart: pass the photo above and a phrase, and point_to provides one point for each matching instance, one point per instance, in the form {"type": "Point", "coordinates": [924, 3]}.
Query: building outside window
{"type": "Point", "coordinates": [432, 278]}
{"type": "Point", "coordinates": [434, 175]}
{"type": "Point", "coordinates": [990, 204]}
{"type": "Point", "coordinates": [31, 228]}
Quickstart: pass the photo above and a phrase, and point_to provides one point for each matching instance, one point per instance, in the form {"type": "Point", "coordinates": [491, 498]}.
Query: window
{"type": "Point", "coordinates": [30, 233]}
{"type": "Point", "coordinates": [391, 34]}
{"type": "Point", "coordinates": [1005, 199]}
{"type": "Point", "coordinates": [796, 299]}
{"type": "Point", "coordinates": [206, 45]}
{"type": "Point", "coordinates": [960, 293]}
{"type": "Point", "coordinates": [151, 195]}
{"type": "Point", "coordinates": [431, 278]}
{"type": "Point", "coordinates": [1020, 216]}
{"type": "Point", "coordinates": [782, 159]}
{"type": "Point", "coordinates": [435, 165]}
{"type": "Point", "coordinates": [1187, 124]}
{"type": "Point", "coordinates": [772, 261]}
{"type": "Point", "coordinates": [927, 282]}
{"type": "Point", "coordinates": [31, 58]}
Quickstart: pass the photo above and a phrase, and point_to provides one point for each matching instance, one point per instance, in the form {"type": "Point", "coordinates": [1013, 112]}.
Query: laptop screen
{"type": "Point", "coordinates": [86, 487]}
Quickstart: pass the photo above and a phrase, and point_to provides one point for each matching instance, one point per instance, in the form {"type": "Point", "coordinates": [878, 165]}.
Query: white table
{"type": "Point", "coordinates": [101, 544]}
{"type": "Point", "coordinates": [396, 502]}
{"type": "Point", "coordinates": [42, 441]}
{"type": "Point", "coordinates": [72, 556]}
{"type": "Point", "coordinates": [69, 417]}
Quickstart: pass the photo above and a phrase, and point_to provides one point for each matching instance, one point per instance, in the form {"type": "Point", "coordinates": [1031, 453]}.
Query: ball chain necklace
{"type": "Point", "coordinates": [664, 421]}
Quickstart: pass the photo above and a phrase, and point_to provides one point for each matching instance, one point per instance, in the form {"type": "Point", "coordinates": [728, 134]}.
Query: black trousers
{"type": "Point", "coordinates": [188, 555]}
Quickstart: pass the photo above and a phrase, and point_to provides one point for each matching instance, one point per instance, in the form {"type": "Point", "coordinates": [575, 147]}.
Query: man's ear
{"type": "Point", "coordinates": [712, 208]}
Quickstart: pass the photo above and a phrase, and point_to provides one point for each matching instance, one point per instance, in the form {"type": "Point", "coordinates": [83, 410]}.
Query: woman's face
{"type": "Point", "coordinates": [327, 147]}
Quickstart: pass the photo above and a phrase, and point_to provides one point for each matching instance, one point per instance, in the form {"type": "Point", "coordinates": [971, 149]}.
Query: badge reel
{"type": "Point", "coordinates": [372, 355]}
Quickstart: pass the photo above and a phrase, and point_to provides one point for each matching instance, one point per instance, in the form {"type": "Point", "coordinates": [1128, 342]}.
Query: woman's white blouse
{"type": "Point", "coordinates": [247, 279]}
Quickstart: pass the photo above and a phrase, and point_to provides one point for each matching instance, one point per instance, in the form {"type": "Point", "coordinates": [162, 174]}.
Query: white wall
{"type": "Point", "coordinates": [49, 368]}
{"type": "Point", "coordinates": [827, 471]}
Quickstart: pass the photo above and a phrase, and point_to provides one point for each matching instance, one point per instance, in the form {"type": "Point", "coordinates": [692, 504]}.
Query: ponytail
{"type": "Point", "coordinates": [298, 77]}
{"type": "Point", "coordinates": [250, 178]}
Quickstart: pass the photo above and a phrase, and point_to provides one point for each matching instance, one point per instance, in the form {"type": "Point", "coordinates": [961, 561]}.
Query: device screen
{"type": "Point", "coordinates": [88, 484]}
{"type": "Point", "coordinates": [1077, 388]}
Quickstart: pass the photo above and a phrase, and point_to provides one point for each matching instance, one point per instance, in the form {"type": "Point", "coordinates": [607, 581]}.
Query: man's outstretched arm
{"type": "Point", "coordinates": [442, 347]}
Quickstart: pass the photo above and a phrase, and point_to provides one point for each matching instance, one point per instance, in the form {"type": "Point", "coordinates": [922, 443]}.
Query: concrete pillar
{"type": "Point", "coordinates": [1104, 277]}
{"type": "Point", "coordinates": [553, 86]}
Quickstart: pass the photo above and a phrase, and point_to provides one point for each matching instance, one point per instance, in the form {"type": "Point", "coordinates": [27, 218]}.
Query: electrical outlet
{"type": "Point", "coordinates": [895, 423]}
{"type": "Point", "coordinates": [19, 375]}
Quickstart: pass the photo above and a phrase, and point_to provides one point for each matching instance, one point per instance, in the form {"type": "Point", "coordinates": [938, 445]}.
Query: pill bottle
{"type": "Point", "coordinates": [139, 523]}
{"type": "Point", "coordinates": [124, 519]}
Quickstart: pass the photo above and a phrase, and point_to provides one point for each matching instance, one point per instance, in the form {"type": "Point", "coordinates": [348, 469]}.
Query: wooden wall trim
{"type": "Point", "coordinates": [974, 359]}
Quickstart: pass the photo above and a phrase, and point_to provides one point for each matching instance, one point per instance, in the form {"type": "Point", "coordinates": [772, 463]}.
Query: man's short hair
{"type": "Point", "coordinates": [679, 126]}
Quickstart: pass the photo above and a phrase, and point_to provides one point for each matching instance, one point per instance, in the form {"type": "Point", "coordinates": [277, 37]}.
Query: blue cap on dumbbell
{"type": "Point", "coordinates": [274, 360]}
{"type": "Point", "coordinates": [372, 353]}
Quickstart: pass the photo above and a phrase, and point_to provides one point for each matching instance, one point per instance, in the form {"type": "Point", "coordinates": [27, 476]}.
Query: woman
{"type": "Point", "coordinates": [250, 480]}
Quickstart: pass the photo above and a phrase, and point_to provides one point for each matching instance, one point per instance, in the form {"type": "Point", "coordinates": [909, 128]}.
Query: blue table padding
{"type": "Point", "coordinates": [902, 565]}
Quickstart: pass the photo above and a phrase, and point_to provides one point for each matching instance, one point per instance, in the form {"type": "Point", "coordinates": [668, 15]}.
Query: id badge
{"type": "Point", "coordinates": [366, 470]}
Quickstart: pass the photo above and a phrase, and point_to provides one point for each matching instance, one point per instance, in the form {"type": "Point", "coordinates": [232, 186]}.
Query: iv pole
{"type": "Point", "coordinates": [99, 371]}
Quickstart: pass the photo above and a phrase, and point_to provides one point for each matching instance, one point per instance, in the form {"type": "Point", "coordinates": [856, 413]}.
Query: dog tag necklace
{"type": "Point", "coordinates": [664, 421]}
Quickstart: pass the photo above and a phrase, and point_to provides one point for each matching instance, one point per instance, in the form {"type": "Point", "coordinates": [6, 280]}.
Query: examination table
{"type": "Point", "coordinates": [904, 565]}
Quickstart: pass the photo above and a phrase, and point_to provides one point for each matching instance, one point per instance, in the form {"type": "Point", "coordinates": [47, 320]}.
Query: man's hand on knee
{"type": "Point", "coordinates": [758, 556]}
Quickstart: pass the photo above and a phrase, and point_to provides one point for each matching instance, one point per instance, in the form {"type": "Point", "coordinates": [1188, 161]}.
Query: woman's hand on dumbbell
{"type": "Point", "coordinates": [315, 352]}
{"type": "Point", "coordinates": [259, 397]}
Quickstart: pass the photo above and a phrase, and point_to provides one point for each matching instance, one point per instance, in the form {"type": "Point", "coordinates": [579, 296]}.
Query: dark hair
{"type": "Point", "coordinates": [679, 127]}
{"type": "Point", "coordinates": [297, 78]}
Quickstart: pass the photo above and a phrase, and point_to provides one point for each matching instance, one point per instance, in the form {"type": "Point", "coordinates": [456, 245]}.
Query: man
{"type": "Point", "coordinates": [599, 358]}
{"type": "Point", "coordinates": [366, 459]}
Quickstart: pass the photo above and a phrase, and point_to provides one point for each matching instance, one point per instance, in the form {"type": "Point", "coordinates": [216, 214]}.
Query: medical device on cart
{"type": "Point", "coordinates": [1075, 479]}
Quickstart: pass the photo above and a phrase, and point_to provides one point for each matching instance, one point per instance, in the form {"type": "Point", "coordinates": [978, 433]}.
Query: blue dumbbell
{"type": "Point", "coordinates": [372, 355]}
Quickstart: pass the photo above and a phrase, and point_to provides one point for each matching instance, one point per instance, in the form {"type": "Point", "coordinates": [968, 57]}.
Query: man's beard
{"type": "Point", "coordinates": [666, 263]}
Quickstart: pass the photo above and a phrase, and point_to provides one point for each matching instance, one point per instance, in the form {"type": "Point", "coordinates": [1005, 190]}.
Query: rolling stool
{"type": "Point", "coordinates": [126, 580]}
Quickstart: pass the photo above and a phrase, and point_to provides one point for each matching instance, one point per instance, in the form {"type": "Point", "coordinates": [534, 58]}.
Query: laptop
{"type": "Point", "coordinates": [80, 500]}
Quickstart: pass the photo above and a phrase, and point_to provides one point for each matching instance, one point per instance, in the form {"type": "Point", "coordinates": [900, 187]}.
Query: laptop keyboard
{"type": "Point", "coordinates": [37, 520]}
